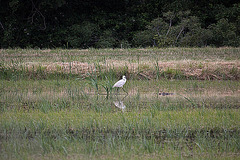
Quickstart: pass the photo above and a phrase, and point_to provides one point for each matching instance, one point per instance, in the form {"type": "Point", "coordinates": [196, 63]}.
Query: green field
{"type": "Point", "coordinates": [60, 104]}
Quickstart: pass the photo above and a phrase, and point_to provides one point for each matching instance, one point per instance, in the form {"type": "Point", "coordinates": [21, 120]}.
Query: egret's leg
{"type": "Point", "coordinates": [116, 92]}
{"type": "Point", "coordinates": [125, 91]}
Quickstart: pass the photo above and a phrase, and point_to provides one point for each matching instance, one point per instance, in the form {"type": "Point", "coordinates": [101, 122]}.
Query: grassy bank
{"type": "Point", "coordinates": [173, 63]}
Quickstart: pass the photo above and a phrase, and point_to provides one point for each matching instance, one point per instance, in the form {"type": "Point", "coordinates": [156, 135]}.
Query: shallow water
{"type": "Point", "coordinates": [141, 94]}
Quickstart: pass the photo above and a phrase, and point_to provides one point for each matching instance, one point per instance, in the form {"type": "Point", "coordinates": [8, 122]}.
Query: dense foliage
{"type": "Point", "coordinates": [111, 23]}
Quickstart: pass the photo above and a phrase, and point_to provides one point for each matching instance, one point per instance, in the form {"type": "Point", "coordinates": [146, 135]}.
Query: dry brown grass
{"type": "Point", "coordinates": [191, 67]}
{"type": "Point", "coordinates": [206, 63]}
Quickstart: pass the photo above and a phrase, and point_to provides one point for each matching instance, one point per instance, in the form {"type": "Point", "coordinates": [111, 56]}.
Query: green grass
{"type": "Point", "coordinates": [209, 131]}
{"type": "Point", "coordinates": [175, 143]}
{"type": "Point", "coordinates": [118, 148]}
{"type": "Point", "coordinates": [183, 121]}
{"type": "Point", "coordinates": [58, 109]}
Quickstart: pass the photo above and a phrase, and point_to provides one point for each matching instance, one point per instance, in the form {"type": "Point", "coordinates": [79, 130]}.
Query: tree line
{"type": "Point", "coordinates": [123, 23]}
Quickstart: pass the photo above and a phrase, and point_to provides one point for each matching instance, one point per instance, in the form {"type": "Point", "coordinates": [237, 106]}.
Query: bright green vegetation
{"type": "Point", "coordinates": [76, 118]}
{"type": "Point", "coordinates": [186, 132]}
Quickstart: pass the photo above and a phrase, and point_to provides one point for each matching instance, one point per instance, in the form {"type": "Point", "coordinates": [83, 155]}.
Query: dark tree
{"type": "Point", "coordinates": [111, 23]}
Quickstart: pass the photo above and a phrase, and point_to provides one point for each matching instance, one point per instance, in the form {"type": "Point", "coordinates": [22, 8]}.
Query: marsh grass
{"type": "Point", "coordinates": [117, 148]}
{"type": "Point", "coordinates": [110, 134]}
{"type": "Point", "coordinates": [58, 104]}
{"type": "Point", "coordinates": [83, 125]}
{"type": "Point", "coordinates": [198, 122]}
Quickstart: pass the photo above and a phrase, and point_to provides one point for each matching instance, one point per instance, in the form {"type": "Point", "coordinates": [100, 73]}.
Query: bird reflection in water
{"type": "Point", "coordinates": [119, 103]}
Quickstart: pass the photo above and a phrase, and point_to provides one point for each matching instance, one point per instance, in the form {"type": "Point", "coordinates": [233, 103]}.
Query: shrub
{"type": "Point", "coordinates": [224, 34]}
{"type": "Point", "coordinates": [106, 40]}
{"type": "Point", "coordinates": [81, 35]}
{"type": "Point", "coordinates": [143, 39]}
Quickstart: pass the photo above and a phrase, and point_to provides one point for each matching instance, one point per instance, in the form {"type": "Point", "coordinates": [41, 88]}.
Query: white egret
{"type": "Point", "coordinates": [120, 83]}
